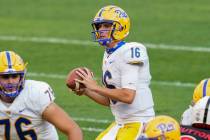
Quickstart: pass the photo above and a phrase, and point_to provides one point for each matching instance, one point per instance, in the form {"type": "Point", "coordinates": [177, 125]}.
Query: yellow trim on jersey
{"type": "Point", "coordinates": [135, 62]}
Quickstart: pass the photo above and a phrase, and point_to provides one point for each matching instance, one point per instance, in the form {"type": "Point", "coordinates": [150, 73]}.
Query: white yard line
{"type": "Point", "coordinates": [92, 120]}
{"type": "Point", "coordinates": [92, 129]}
{"type": "Point", "coordinates": [55, 40]}
{"type": "Point", "coordinates": [164, 83]}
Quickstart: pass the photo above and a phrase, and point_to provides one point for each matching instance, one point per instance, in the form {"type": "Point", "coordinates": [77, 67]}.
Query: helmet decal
{"type": "Point", "coordinates": [161, 127]}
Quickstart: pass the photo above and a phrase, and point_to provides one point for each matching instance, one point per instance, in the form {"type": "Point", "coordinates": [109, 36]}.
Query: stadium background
{"type": "Point", "coordinates": [54, 37]}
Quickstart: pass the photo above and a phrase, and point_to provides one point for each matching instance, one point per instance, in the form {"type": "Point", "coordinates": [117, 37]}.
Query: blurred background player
{"type": "Point", "coordinates": [200, 125]}
{"type": "Point", "coordinates": [161, 128]}
{"type": "Point", "coordinates": [200, 91]}
{"type": "Point", "coordinates": [126, 76]}
{"type": "Point", "coordinates": [27, 108]}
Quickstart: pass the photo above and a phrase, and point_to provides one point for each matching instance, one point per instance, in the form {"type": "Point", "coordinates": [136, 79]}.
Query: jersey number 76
{"type": "Point", "coordinates": [18, 123]}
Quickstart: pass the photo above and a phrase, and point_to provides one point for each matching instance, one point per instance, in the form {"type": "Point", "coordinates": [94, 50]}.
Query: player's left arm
{"type": "Point", "coordinates": [60, 119]}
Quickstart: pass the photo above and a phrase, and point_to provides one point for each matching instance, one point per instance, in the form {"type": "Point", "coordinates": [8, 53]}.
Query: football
{"type": "Point", "coordinates": [70, 79]}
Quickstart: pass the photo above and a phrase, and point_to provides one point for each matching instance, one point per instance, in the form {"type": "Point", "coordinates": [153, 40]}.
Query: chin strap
{"type": "Point", "coordinates": [104, 42]}
{"type": "Point", "coordinates": [10, 94]}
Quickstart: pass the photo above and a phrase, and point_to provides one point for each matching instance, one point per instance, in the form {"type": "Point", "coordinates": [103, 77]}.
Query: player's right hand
{"type": "Point", "coordinates": [79, 92]}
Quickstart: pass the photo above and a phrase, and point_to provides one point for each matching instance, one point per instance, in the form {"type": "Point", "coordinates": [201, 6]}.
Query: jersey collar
{"type": "Point", "coordinates": [111, 50]}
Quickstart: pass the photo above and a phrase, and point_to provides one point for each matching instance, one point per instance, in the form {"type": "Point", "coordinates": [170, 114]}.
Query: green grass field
{"type": "Point", "coordinates": [53, 36]}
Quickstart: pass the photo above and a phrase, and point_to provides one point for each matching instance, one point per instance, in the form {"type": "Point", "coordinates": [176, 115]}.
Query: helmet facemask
{"type": "Point", "coordinates": [162, 137]}
{"type": "Point", "coordinates": [97, 33]}
{"type": "Point", "coordinates": [11, 66]}
{"type": "Point", "coordinates": [145, 137]}
{"type": "Point", "coordinates": [5, 89]}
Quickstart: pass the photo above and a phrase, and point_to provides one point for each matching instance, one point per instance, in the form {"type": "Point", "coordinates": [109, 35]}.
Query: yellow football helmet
{"type": "Point", "coordinates": [119, 20]}
{"type": "Point", "coordinates": [11, 63]}
{"type": "Point", "coordinates": [161, 128]}
{"type": "Point", "coordinates": [201, 90]}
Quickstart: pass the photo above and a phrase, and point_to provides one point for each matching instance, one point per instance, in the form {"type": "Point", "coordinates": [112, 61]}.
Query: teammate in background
{"type": "Point", "coordinates": [126, 76]}
{"type": "Point", "coordinates": [27, 108]}
{"type": "Point", "coordinates": [161, 128]}
{"type": "Point", "coordinates": [201, 90]}
{"type": "Point", "coordinates": [200, 128]}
